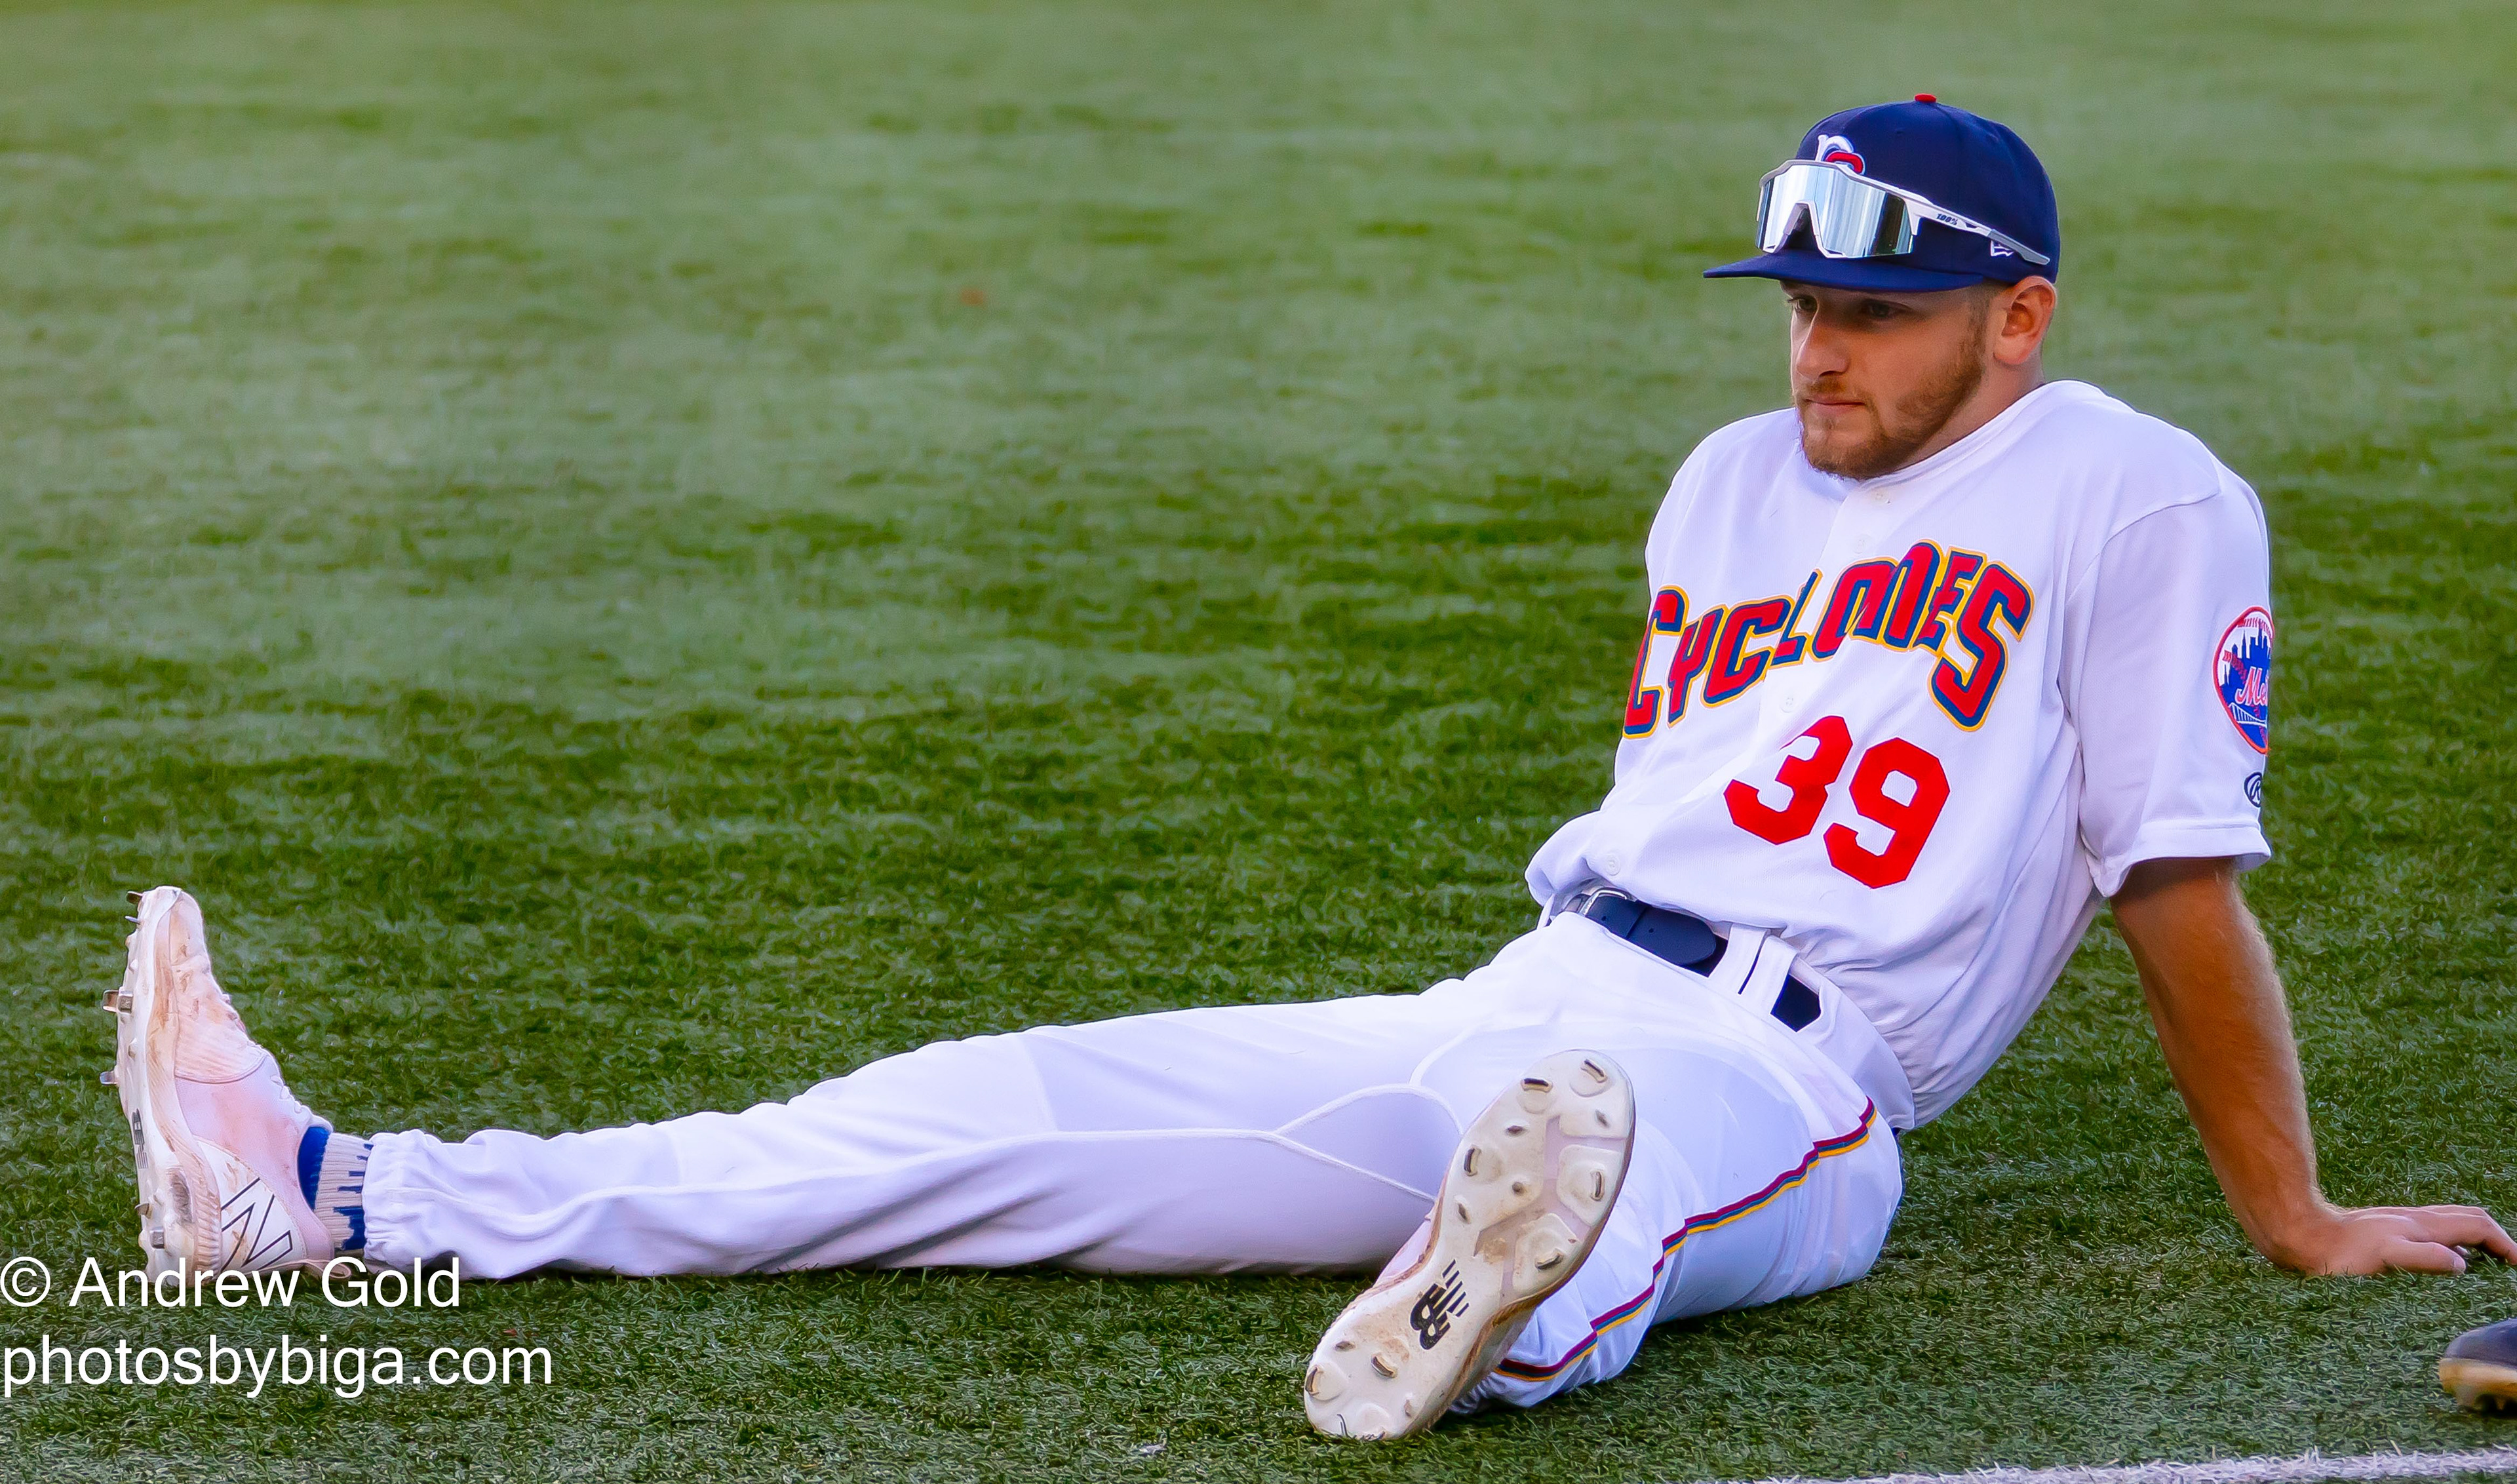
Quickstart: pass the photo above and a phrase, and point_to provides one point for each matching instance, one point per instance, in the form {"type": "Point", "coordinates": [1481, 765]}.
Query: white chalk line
{"type": "Point", "coordinates": [2308, 1466]}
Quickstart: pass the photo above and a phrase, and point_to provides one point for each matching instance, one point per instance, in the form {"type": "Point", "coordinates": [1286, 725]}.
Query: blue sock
{"type": "Point", "coordinates": [332, 1175]}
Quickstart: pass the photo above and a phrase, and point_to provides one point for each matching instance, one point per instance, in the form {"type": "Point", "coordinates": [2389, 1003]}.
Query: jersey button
{"type": "Point", "coordinates": [1612, 862]}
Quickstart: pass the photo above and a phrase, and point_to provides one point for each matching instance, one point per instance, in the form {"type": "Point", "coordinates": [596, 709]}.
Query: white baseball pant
{"type": "Point", "coordinates": [1261, 1138]}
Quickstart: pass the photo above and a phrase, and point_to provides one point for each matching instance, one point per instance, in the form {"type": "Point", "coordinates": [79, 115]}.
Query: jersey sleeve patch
{"type": "Point", "coordinates": [2242, 670]}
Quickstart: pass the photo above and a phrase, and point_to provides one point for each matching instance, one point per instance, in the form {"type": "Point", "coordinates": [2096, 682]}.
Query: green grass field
{"type": "Point", "coordinates": [637, 557]}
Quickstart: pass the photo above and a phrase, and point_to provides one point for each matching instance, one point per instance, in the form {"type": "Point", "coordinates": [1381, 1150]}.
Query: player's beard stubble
{"type": "Point", "coordinates": [1905, 425]}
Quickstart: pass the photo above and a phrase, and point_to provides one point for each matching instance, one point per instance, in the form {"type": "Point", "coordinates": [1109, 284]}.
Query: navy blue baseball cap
{"type": "Point", "coordinates": [1967, 163]}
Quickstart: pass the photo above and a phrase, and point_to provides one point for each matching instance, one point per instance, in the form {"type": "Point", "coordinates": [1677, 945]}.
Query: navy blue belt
{"type": "Point", "coordinates": [1684, 940]}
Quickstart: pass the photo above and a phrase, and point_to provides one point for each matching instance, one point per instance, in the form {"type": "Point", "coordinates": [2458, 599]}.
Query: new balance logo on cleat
{"type": "Point", "coordinates": [257, 1233]}
{"type": "Point", "coordinates": [1437, 1306]}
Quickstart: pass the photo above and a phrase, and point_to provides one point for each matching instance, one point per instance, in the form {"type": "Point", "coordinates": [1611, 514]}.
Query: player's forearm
{"type": "Point", "coordinates": [2224, 1028]}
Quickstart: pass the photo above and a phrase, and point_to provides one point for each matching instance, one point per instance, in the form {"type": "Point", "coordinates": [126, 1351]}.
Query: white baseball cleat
{"type": "Point", "coordinates": [213, 1128]}
{"type": "Point", "coordinates": [1518, 1213]}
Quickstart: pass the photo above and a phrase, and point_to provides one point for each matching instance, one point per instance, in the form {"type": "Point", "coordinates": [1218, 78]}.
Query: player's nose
{"type": "Point", "coordinates": [1818, 355]}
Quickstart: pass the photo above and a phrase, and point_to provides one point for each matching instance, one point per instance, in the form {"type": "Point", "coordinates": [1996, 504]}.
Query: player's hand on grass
{"type": "Point", "coordinates": [2343, 1241]}
{"type": "Point", "coordinates": [2224, 1027]}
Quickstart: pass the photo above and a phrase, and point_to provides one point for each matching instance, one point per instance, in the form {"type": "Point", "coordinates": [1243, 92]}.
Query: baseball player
{"type": "Point", "coordinates": [1934, 661]}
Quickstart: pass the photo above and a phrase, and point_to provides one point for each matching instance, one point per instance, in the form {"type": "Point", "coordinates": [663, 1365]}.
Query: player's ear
{"type": "Point", "coordinates": [2021, 312]}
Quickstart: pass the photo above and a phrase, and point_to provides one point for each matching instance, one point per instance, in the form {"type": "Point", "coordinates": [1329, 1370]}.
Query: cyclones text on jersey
{"type": "Point", "coordinates": [1921, 602]}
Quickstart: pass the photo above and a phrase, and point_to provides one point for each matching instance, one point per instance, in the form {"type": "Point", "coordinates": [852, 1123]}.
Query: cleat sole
{"type": "Point", "coordinates": [1518, 1213]}
{"type": "Point", "coordinates": [138, 1035]}
{"type": "Point", "coordinates": [2480, 1384]}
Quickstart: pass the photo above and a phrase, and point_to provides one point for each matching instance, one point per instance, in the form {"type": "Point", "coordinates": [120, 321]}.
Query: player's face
{"type": "Point", "coordinates": [1877, 377]}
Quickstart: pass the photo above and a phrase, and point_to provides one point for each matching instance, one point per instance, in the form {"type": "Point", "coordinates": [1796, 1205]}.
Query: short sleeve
{"type": "Point", "coordinates": [2169, 687]}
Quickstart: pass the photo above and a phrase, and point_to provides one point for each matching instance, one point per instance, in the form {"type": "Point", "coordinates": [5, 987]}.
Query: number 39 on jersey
{"type": "Point", "coordinates": [1898, 786]}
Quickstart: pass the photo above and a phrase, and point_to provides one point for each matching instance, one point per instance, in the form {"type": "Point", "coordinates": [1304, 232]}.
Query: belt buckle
{"type": "Point", "coordinates": [1579, 904]}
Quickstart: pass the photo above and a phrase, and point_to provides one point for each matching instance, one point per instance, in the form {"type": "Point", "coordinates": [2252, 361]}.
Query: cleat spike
{"type": "Point", "coordinates": [107, 1077]}
{"type": "Point", "coordinates": [122, 1002]}
{"type": "Point", "coordinates": [133, 897]}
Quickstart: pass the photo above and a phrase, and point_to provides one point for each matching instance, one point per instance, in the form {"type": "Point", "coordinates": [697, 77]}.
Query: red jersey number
{"type": "Point", "coordinates": [1909, 820]}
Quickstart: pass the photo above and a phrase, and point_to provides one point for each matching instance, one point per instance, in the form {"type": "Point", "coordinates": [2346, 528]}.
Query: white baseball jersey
{"type": "Point", "coordinates": [1918, 725]}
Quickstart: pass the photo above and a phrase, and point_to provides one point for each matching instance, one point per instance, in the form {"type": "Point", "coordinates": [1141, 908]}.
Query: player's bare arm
{"type": "Point", "coordinates": [2224, 1027]}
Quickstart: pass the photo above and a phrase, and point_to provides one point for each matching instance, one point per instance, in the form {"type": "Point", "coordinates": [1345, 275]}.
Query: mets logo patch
{"type": "Point", "coordinates": [2243, 673]}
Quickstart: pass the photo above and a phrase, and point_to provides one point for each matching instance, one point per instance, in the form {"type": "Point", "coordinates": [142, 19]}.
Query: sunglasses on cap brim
{"type": "Point", "coordinates": [1853, 216]}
